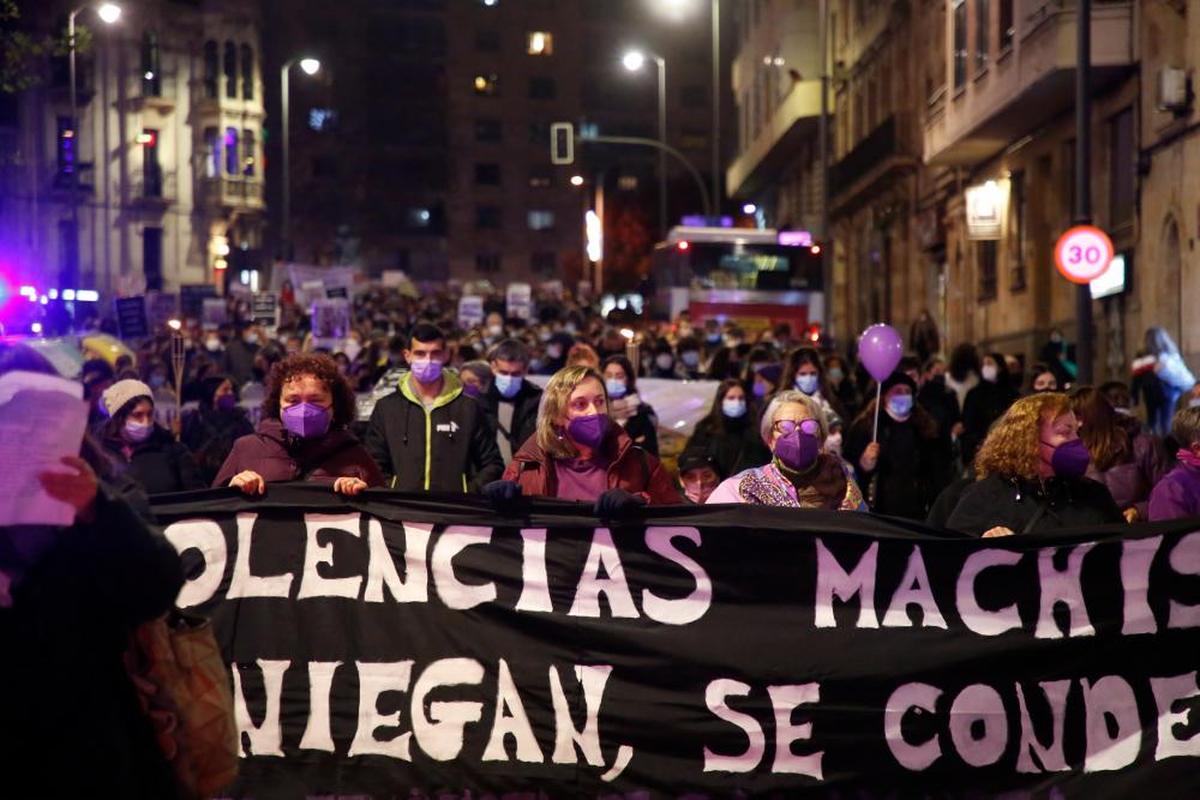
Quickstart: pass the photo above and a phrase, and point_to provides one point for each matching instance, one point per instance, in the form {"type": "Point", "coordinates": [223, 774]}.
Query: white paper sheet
{"type": "Point", "coordinates": [42, 419]}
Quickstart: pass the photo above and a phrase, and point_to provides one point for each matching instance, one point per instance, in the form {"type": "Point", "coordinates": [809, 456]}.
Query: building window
{"type": "Point", "coordinates": [65, 148]}
{"type": "Point", "coordinates": [541, 178]}
{"type": "Point", "coordinates": [539, 133]}
{"type": "Point", "coordinates": [539, 43]}
{"type": "Point", "coordinates": [487, 85]}
{"type": "Point", "coordinates": [627, 183]}
{"type": "Point", "coordinates": [982, 29]}
{"type": "Point", "coordinates": [487, 40]}
{"type": "Point", "coordinates": [322, 120]}
{"type": "Point", "coordinates": [541, 88]}
{"type": "Point", "coordinates": [151, 71]}
{"type": "Point", "coordinates": [250, 157]}
{"type": "Point", "coordinates": [1121, 168]}
{"type": "Point", "coordinates": [487, 263]}
{"type": "Point", "coordinates": [693, 96]}
{"type": "Point", "coordinates": [152, 184]}
{"type": "Point", "coordinates": [247, 72]}
{"type": "Point", "coordinates": [231, 71]}
{"type": "Point", "coordinates": [68, 245]}
{"type": "Point", "coordinates": [541, 220]}
{"type": "Point", "coordinates": [152, 253]}
{"type": "Point", "coordinates": [212, 153]}
{"type": "Point", "coordinates": [960, 43]}
{"type": "Point", "coordinates": [487, 174]}
{"type": "Point", "coordinates": [544, 263]}
{"type": "Point", "coordinates": [418, 218]}
{"type": "Point", "coordinates": [1007, 28]}
{"type": "Point", "coordinates": [489, 130]}
{"type": "Point", "coordinates": [985, 252]}
{"type": "Point", "coordinates": [210, 70]}
{"type": "Point", "coordinates": [487, 217]}
{"type": "Point", "coordinates": [1020, 205]}
{"type": "Point", "coordinates": [232, 166]}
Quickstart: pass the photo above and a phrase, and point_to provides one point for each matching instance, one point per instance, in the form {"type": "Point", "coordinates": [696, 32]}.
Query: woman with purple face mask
{"type": "Point", "coordinates": [210, 430]}
{"type": "Point", "coordinates": [579, 453]}
{"type": "Point", "coordinates": [145, 452]}
{"type": "Point", "coordinates": [800, 474]}
{"type": "Point", "coordinates": [1031, 475]}
{"type": "Point", "coordinates": [303, 433]}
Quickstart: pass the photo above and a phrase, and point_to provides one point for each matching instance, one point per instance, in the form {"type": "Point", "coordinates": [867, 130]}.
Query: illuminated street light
{"type": "Point", "coordinates": [108, 13]}
{"type": "Point", "coordinates": [749, 208]}
{"type": "Point", "coordinates": [577, 180]}
{"type": "Point", "coordinates": [311, 66]}
{"type": "Point", "coordinates": [634, 60]}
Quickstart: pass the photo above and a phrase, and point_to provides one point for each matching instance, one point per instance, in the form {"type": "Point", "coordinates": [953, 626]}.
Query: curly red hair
{"type": "Point", "coordinates": [1012, 445]}
{"type": "Point", "coordinates": [324, 369]}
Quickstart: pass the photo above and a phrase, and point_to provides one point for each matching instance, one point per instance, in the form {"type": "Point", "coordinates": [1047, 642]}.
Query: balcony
{"type": "Point", "coordinates": [158, 92]}
{"type": "Point", "coordinates": [889, 147]}
{"type": "Point", "coordinates": [156, 189]}
{"type": "Point", "coordinates": [1027, 86]}
{"type": "Point", "coordinates": [794, 120]}
{"type": "Point", "coordinates": [232, 192]}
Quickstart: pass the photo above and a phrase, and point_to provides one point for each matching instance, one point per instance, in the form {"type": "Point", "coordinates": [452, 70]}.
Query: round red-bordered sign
{"type": "Point", "coordinates": [1083, 253]}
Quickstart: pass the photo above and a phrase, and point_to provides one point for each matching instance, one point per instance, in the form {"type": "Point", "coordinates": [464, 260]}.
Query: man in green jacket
{"type": "Point", "coordinates": [428, 435]}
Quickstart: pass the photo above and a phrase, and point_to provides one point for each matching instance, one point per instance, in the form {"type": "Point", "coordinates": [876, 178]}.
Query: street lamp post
{"type": "Point", "coordinates": [108, 13]}
{"type": "Point", "coordinates": [634, 60]}
{"type": "Point", "coordinates": [310, 66]}
{"type": "Point", "coordinates": [716, 106]}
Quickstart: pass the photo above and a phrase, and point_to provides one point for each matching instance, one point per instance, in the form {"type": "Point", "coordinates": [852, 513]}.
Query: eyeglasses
{"type": "Point", "coordinates": [784, 427]}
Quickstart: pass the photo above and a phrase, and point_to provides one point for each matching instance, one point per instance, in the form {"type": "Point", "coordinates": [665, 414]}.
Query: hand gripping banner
{"type": "Point", "coordinates": [405, 646]}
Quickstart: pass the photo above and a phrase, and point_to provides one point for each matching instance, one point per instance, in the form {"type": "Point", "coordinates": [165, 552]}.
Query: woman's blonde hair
{"type": "Point", "coordinates": [1012, 445]}
{"type": "Point", "coordinates": [554, 406]}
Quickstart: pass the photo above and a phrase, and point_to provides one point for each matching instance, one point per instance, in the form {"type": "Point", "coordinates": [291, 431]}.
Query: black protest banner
{"type": "Point", "coordinates": [397, 644]}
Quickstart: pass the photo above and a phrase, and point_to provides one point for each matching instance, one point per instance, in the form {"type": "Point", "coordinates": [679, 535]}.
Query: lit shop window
{"type": "Point", "coordinates": [539, 43]}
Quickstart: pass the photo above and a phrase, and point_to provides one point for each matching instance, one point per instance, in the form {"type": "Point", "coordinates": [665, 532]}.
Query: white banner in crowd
{"type": "Point", "coordinates": [470, 311]}
{"type": "Point", "coordinates": [519, 301]}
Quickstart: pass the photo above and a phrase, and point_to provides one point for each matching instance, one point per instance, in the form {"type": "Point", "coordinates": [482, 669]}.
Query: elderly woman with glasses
{"type": "Point", "coordinates": [800, 474]}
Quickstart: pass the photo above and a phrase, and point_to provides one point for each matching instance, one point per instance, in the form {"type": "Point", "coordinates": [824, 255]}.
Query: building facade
{"type": "Point", "coordinates": [953, 170]}
{"type": "Point", "coordinates": [167, 151]}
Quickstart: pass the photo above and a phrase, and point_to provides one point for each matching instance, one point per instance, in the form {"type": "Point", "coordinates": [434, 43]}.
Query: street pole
{"type": "Point", "coordinates": [285, 226]}
{"type": "Point", "coordinates": [662, 138]}
{"type": "Point", "coordinates": [71, 278]}
{"type": "Point", "coordinates": [716, 105]}
{"type": "Point", "coordinates": [1083, 180]}
{"type": "Point", "coordinates": [827, 253]}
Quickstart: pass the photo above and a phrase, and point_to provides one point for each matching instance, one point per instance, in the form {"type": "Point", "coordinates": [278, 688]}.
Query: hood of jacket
{"type": "Point", "coordinates": [451, 388]}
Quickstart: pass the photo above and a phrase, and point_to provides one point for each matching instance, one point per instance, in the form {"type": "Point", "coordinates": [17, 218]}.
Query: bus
{"type": "Point", "coordinates": [755, 278]}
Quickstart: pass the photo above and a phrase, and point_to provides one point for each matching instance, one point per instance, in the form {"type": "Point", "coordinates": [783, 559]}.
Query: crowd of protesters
{"type": "Point", "coordinates": [791, 422]}
{"type": "Point", "coordinates": [974, 443]}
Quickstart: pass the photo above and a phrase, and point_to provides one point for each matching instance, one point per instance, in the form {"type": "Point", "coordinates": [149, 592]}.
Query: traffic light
{"type": "Point", "coordinates": [562, 143]}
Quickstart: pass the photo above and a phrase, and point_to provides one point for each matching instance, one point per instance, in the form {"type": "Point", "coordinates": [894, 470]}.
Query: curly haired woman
{"type": "Point", "coordinates": [1031, 473]}
{"type": "Point", "coordinates": [303, 433]}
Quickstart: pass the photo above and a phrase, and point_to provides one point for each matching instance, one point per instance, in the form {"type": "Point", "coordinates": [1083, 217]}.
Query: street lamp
{"type": "Point", "coordinates": [108, 13]}
{"type": "Point", "coordinates": [633, 61]}
{"type": "Point", "coordinates": [309, 66]}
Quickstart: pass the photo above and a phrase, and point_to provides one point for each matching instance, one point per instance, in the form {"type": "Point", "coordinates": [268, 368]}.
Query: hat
{"type": "Point", "coordinates": [897, 378]}
{"type": "Point", "coordinates": [695, 459]}
{"type": "Point", "coordinates": [771, 372]}
{"type": "Point", "coordinates": [121, 392]}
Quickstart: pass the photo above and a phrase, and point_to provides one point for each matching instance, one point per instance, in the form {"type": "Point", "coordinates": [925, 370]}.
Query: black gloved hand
{"type": "Point", "coordinates": [617, 501]}
{"type": "Point", "coordinates": [502, 491]}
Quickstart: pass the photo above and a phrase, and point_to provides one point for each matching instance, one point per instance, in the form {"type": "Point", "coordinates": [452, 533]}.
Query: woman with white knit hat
{"type": "Point", "coordinates": [144, 451]}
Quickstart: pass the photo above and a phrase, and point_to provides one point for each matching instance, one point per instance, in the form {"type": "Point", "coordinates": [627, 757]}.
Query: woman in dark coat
{"type": "Point", "coordinates": [69, 599]}
{"type": "Point", "coordinates": [729, 434]}
{"type": "Point", "coordinates": [626, 407]}
{"type": "Point", "coordinates": [903, 473]}
{"type": "Point", "coordinates": [1031, 475]}
{"type": "Point", "coordinates": [145, 451]}
{"type": "Point", "coordinates": [210, 431]}
{"type": "Point", "coordinates": [985, 403]}
{"type": "Point", "coordinates": [303, 433]}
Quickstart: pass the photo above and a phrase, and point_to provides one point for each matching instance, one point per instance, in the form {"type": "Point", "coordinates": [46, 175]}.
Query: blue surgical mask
{"type": "Point", "coordinates": [900, 406]}
{"type": "Point", "coordinates": [691, 358]}
{"type": "Point", "coordinates": [808, 383]}
{"type": "Point", "coordinates": [508, 385]}
{"type": "Point", "coordinates": [836, 374]}
{"type": "Point", "coordinates": [615, 388]}
{"type": "Point", "coordinates": [733, 408]}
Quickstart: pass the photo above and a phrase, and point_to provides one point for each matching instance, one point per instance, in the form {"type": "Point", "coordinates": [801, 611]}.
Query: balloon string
{"type": "Point", "coordinates": [878, 396]}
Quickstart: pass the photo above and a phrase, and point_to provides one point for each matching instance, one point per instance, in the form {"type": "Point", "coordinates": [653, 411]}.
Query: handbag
{"type": "Point", "coordinates": [184, 688]}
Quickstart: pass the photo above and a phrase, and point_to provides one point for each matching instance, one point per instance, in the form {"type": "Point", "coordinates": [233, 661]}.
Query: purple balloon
{"type": "Point", "coordinates": [880, 349]}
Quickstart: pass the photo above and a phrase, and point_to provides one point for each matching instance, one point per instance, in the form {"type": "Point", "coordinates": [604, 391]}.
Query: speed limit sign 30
{"type": "Point", "coordinates": [1083, 253]}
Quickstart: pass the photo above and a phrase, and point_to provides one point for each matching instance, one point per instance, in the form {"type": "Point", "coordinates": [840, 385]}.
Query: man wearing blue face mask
{"type": "Point", "coordinates": [903, 472]}
{"type": "Point", "coordinates": [512, 401]}
{"type": "Point", "coordinates": [428, 435]}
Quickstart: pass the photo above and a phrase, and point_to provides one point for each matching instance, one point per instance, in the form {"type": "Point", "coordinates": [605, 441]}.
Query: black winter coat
{"type": "Point", "coordinates": [70, 720]}
{"type": "Point", "coordinates": [734, 445]}
{"type": "Point", "coordinates": [451, 448]}
{"type": "Point", "coordinates": [160, 464]}
{"type": "Point", "coordinates": [209, 434]}
{"type": "Point", "coordinates": [983, 405]}
{"type": "Point", "coordinates": [1049, 505]}
{"type": "Point", "coordinates": [913, 466]}
{"type": "Point", "coordinates": [525, 412]}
